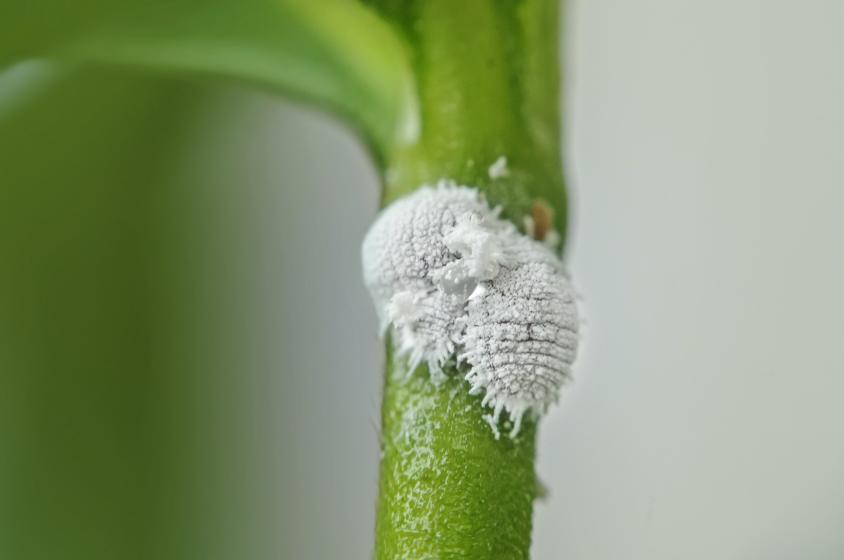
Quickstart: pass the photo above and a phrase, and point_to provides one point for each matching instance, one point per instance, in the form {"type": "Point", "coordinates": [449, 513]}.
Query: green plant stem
{"type": "Point", "coordinates": [487, 76]}
{"type": "Point", "coordinates": [92, 405]}
{"type": "Point", "coordinates": [448, 488]}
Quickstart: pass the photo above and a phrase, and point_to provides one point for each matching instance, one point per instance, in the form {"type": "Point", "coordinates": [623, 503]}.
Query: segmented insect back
{"type": "Point", "coordinates": [451, 278]}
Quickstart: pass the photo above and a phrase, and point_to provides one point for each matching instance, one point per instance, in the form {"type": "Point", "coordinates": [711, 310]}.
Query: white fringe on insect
{"type": "Point", "coordinates": [453, 279]}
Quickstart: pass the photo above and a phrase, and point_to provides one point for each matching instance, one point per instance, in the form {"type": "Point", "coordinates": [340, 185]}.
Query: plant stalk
{"type": "Point", "coordinates": [487, 78]}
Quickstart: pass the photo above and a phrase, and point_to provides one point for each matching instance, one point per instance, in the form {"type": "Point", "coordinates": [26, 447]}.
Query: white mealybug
{"type": "Point", "coordinates": [453, 279]}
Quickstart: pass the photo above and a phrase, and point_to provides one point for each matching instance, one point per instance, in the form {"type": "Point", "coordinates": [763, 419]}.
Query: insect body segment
{"type": "Point", "coordinates": [452, 279]}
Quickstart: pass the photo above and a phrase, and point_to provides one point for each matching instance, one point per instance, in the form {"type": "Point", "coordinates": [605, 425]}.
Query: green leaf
{"type": "Point", "coordinates": [336, 53]}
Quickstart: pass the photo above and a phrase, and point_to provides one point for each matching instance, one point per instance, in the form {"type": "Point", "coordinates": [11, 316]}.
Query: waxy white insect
{"type": "Point", "coordinates": [454, 280]}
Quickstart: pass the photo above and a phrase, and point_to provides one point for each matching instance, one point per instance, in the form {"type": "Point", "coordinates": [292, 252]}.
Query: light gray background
{"type": "Point", "coordinates": [704, 151]}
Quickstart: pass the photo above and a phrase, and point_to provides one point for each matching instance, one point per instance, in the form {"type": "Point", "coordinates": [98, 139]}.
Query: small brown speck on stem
{"type": "Point", "coordinates": [543, 218]}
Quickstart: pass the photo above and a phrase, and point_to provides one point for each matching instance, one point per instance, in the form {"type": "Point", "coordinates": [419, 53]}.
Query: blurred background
{"type": "Point", "coordinates": [189, 365]}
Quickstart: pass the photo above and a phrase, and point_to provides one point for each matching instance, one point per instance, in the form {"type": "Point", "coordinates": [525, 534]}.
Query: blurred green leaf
{"type": "Point", "coordinates": [337, 53]}
{"type": "Point", "coordinates": [88, 433]}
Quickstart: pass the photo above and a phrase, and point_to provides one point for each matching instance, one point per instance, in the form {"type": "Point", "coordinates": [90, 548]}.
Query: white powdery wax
{"type": "Point", "coordinates": [452, 279]}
